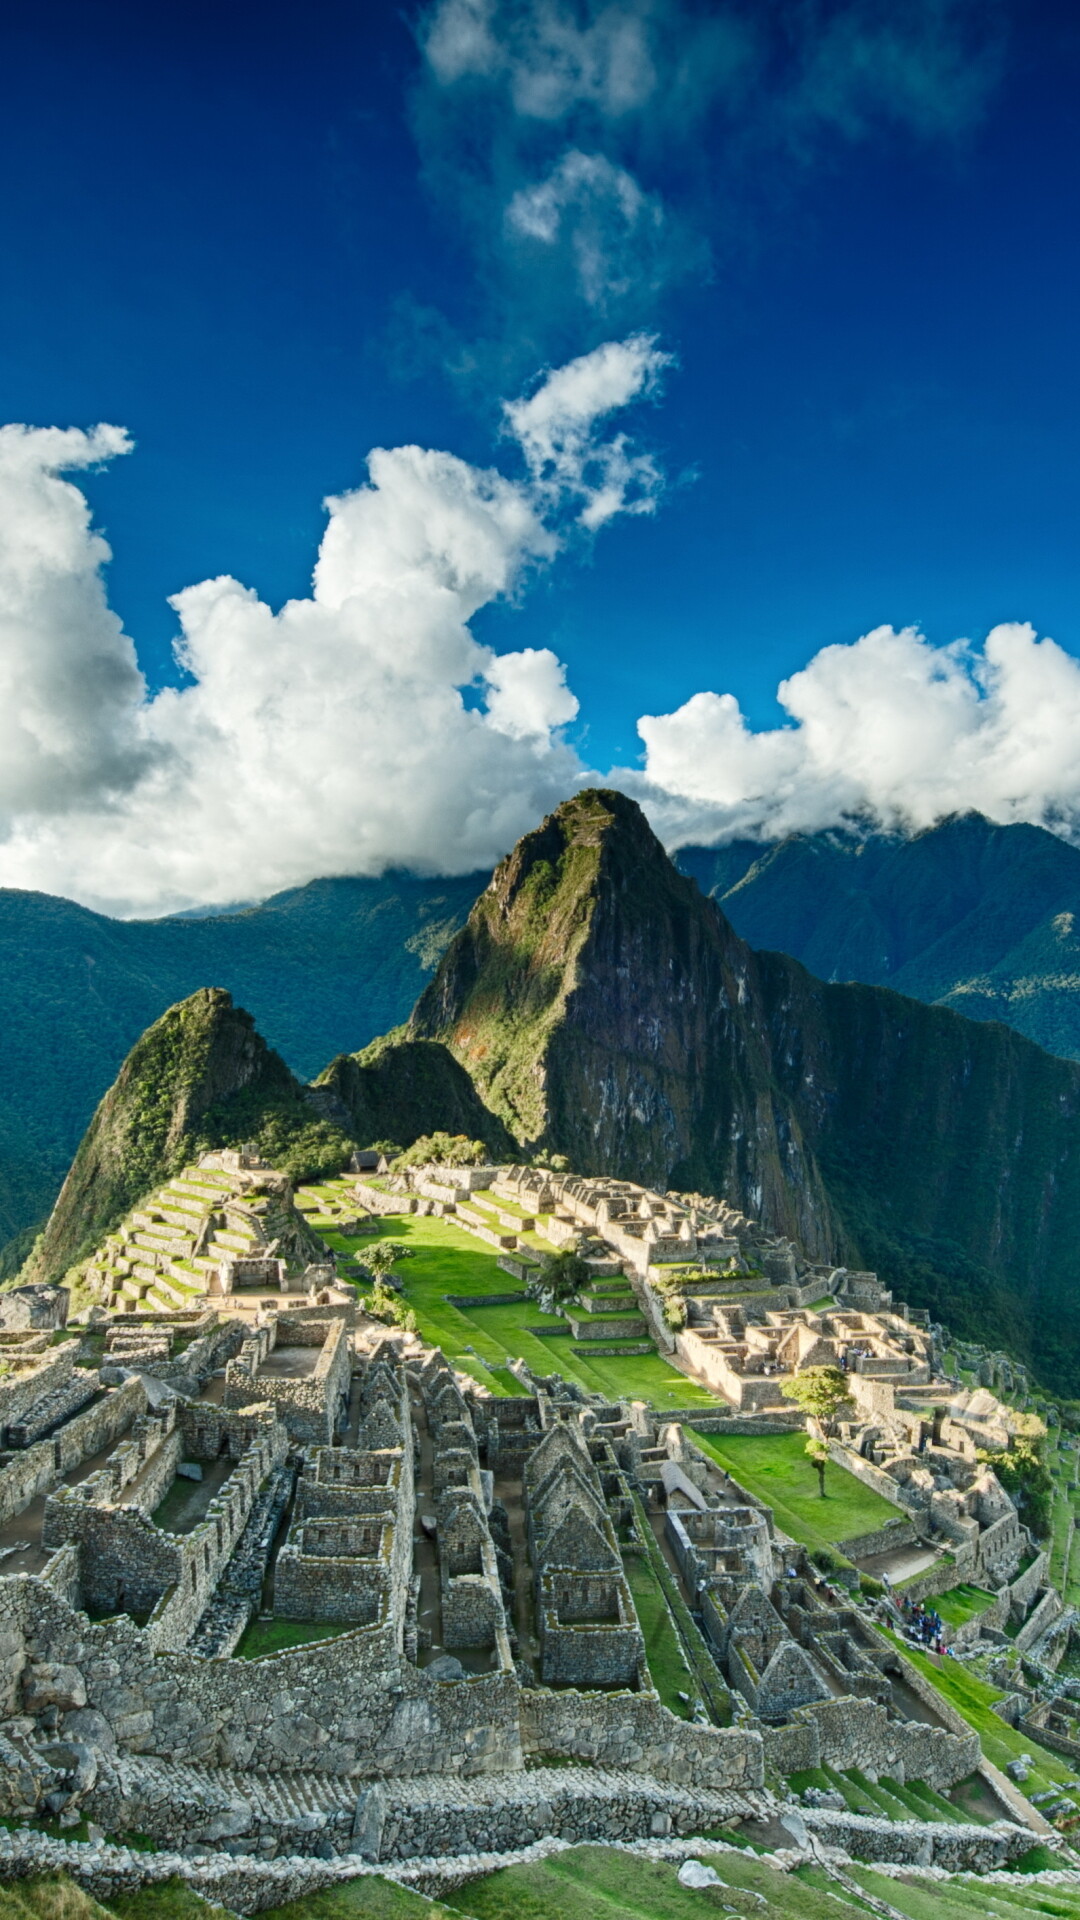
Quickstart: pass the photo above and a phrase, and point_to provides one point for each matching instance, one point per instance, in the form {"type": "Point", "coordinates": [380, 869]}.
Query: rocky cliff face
{"type": "Point", "coordinates": [606, 1010]}
{"type": "Point", "coordinates": [200, 1077]}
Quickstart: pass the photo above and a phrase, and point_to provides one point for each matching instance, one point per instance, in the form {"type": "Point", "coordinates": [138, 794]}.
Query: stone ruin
{"type": "Point", "coordinates": [176, 1478]}
{"type": "Point", "coordinates": [226, 1224]}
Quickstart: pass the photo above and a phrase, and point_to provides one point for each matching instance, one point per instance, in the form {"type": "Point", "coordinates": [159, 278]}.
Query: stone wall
{"type": "Point", "coordinates": [126, 1562]}
{"type": "Point", "coordinates": [923, 1843]}
{"type": "Point", "coordinates": [343, 1705]}
{"type": "Point", "coordinates": [1023, 1589]}
{"type": "Point", "coordinates": [32, 1380]}
{"type": "Point", "coordinates": [859, 1733]}
{"type": "Point", "coordinates": [887, 1539]}
{"type": "Point", "coordinates": [871, 1476]}
{"type": "Point", "coordinates": [635, 1730]}
{"type": "Point", "coordinates": [361, 1571]}
{"type": "Point", "coordinates": [310, 1404]}
{"type": "Point", "coordinates": [1037, 1622]}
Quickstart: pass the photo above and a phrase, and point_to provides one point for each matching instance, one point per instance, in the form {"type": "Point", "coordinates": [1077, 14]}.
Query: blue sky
{"type": "Point", "coordinates": [266, 239]}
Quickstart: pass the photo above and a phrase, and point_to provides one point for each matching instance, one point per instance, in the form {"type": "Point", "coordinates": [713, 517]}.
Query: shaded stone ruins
{"type": "Point", "coordinates": [276, 1580]}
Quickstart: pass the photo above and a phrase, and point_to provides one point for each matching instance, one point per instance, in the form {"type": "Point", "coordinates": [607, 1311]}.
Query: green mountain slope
{"type": "Point", "coordinates": [322, 967]}
{"type": "Point", "coordinates": [607, 1010]}
{"type": "Point", "coordinates": [200, 1077]}
{"type": "Point", "coordinates": [972, 916]}
{"type": "Point", "coordinates": [399, 1088]}
{"type": "Point", "coordinates": [969, 915]}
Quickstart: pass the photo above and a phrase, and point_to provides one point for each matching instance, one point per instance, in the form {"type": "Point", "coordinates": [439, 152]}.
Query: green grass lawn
{"type": "Point", "coordinates": [962, 1603]}
{"type": "Point", "coordinates": [273, 1636]}
{"type": "Point", "coordinates": [447, 1260]}
{"type": "Point", "coordinates": [587, 1882]}
{"type": "Point", "coordinates": [667, 1665]}
{"type": "Point", "coordinates": [775, 1467]}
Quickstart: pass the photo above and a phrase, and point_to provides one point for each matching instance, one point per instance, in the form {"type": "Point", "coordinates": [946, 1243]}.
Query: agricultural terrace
{"type": "Point", "coordinates": [579, 1883]}
{"type": "Point", "coordinates": [481, 1340]}
{"type": "Point", "coordinates": [974, 1698]}
{"type": "Point", "coordinates": [776, 1468]}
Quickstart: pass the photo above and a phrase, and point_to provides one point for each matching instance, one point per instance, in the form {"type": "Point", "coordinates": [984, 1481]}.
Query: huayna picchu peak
{"type": "Point", "coordinates": [607, 1010]}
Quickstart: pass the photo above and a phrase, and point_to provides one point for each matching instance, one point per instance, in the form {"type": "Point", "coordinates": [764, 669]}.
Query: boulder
{"type": "Point", "coordinates": [47, 1685]}
{"type": "Point", "coordinates": [694, 1873]}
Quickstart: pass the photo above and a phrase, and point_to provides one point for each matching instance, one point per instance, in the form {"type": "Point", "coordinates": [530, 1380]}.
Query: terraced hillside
{"type": "Point", "coordinates": [167, 1252]}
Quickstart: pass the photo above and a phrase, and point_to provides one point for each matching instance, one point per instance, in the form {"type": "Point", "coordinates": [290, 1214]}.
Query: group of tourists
{"type": "Point", "coordinates": [925, 1624]}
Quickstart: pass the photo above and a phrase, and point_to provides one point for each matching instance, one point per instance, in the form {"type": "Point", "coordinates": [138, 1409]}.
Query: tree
{"type": "Point", "coordinates": [820, 1392]}
{"type": "Point", "coordinates": [384, 1305]}
{"type": "Point", "coordinates": [563, 1274]}
{"type": "Point", "coordinates": [444, 1150]}
{"type": "Point", "coordinates": [383, 1257]}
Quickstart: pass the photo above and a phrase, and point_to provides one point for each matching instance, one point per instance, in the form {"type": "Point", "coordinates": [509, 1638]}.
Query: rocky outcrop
{"type": "Point", "coordinates": [606, 1010]}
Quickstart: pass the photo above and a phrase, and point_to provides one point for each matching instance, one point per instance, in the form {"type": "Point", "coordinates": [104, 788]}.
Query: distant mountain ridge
{"type": "Point", "coordinates": [597, 1004]}
{"type": "Point", "coordinates": [969, 915]}
{"type": "Point", "coordinates": [976, 917]}
{"type": "Point", "coordinates": [325, 968]}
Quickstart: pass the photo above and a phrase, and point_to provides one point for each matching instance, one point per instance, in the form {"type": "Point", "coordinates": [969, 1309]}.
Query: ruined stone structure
{"type": "Point", "coordinates": [474, 1557]}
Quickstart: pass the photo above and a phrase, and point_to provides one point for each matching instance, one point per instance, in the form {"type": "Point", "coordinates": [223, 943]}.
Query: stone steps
{"type": "Point", "coordinates": [276, 1800]}
{"type": "Point", "coordinates": [222, 1803]}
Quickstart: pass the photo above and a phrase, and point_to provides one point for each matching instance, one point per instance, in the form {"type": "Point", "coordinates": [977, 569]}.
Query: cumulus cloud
{"type": "Point", "coordinates": [70, 686]}
{"type": "Point", "coordinates": [889, 728]}
{"type": "Point", "coordinates": [359, 728]}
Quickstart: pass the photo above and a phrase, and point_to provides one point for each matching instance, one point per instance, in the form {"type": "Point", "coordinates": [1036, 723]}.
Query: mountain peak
{"type": "Point", "coordinates": [201, 1076]}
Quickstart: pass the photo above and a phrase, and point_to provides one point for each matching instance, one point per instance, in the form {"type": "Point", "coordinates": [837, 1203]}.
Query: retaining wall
{"type": "Point", "coordinates": [635, 1730]}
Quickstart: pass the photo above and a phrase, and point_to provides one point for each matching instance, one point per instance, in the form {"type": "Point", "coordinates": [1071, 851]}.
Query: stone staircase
{"type": "Point", "coordinates": [216, 1805]}
{"type": "Point", "coordinates": [402, 1819]}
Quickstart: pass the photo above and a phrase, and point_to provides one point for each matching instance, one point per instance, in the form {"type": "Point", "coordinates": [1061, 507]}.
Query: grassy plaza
{"type": "Point", "coordinates": [481, 1340]}
{"type": "Point", "coordinates": [776, 1468]}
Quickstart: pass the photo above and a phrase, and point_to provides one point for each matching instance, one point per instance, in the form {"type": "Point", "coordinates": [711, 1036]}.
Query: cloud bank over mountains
{"type": "Point", "coordinates": [366, 727]}
{"type": "Point", "coordinates": [362, 727]}
{"type": "Point", "coordinates": [889, 729]}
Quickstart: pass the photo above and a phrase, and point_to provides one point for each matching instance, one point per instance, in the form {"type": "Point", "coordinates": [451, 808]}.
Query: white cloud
{"type": "Point", "coordinates": [527, 694]}
{"type": "Point", "coordinates": [70, 686]}
{"type": "Point", "coordinates": [555, 427]}
{"type": "Point", "coordinates": [332, 736]}
{"type": "Point", "coordinates": [612, 229]}
{"type": "Point", "coordinates": [548, 60]}
{"type": "Point", "coordinates": [890, 727]}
